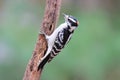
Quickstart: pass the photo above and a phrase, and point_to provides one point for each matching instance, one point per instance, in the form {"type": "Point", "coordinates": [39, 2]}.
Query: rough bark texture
{"type": "Point", "coordinates": [32, 72]}
{"type": "Point", "coordinates": [51, 16]}
{"type": "Point", "coordinates": [48, 24]}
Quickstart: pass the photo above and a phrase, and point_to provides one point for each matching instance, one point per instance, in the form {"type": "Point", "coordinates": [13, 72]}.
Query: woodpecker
{"type": "Point", "coordinates": [58, 39]}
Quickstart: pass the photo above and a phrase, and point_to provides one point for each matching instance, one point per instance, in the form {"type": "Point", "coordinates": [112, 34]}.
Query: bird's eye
{"type": "Point", "coordinates": [69, 20]}
{"type": "Point", "coordinates": [73, 22]}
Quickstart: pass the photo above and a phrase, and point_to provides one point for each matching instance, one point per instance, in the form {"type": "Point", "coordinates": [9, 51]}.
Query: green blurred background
{"type": "Point", "coordinates": [92, 54]}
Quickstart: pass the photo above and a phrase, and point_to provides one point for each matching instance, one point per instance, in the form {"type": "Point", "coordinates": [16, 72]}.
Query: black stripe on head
{"type": "Point", "coordinates": [73, 21]}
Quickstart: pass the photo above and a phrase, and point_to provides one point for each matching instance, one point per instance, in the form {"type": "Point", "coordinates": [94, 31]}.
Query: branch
{"type": "Point", "coordinates": [48, 25]}
{"type": "Point", "coordinates": [51, 16]}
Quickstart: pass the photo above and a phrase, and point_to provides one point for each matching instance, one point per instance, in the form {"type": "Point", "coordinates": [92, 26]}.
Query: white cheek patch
{"type": "Point", "coordinates": [72, 28]}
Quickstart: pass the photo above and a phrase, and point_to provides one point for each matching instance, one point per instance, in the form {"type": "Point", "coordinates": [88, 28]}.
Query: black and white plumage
{"type": "Point", "coordinates": [58, 39]}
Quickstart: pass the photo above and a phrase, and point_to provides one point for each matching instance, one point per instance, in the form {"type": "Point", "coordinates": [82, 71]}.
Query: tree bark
{"type": "Point", "coordinates": [48, 25]}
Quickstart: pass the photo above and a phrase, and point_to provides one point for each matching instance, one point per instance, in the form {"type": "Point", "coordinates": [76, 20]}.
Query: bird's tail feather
{"type": "Point", "coordinates": [42, 63]}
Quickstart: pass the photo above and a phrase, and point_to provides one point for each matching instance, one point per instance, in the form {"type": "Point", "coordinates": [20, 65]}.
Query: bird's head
{"type": "Point", "coordinates": [71, 21]}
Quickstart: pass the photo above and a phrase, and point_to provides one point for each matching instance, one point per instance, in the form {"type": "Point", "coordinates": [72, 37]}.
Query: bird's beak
{"type": "Point", "coordinates": [65, 16]}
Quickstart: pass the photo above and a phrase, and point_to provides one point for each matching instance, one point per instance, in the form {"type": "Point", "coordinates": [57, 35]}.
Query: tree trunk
{"type": "Point", "coordinates": [48, 25]}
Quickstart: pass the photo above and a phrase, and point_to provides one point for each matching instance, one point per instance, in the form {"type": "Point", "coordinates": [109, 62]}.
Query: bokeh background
{"type": "Point", "coordinates": [92, 54]}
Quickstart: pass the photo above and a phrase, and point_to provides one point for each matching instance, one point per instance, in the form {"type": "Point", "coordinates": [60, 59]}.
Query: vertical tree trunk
{"type": "Point", "coordinates": [49, 22]}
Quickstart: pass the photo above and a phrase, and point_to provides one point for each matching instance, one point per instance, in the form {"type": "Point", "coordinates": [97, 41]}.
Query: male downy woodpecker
{"type": "Point", "coordinates": [58, 39]}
